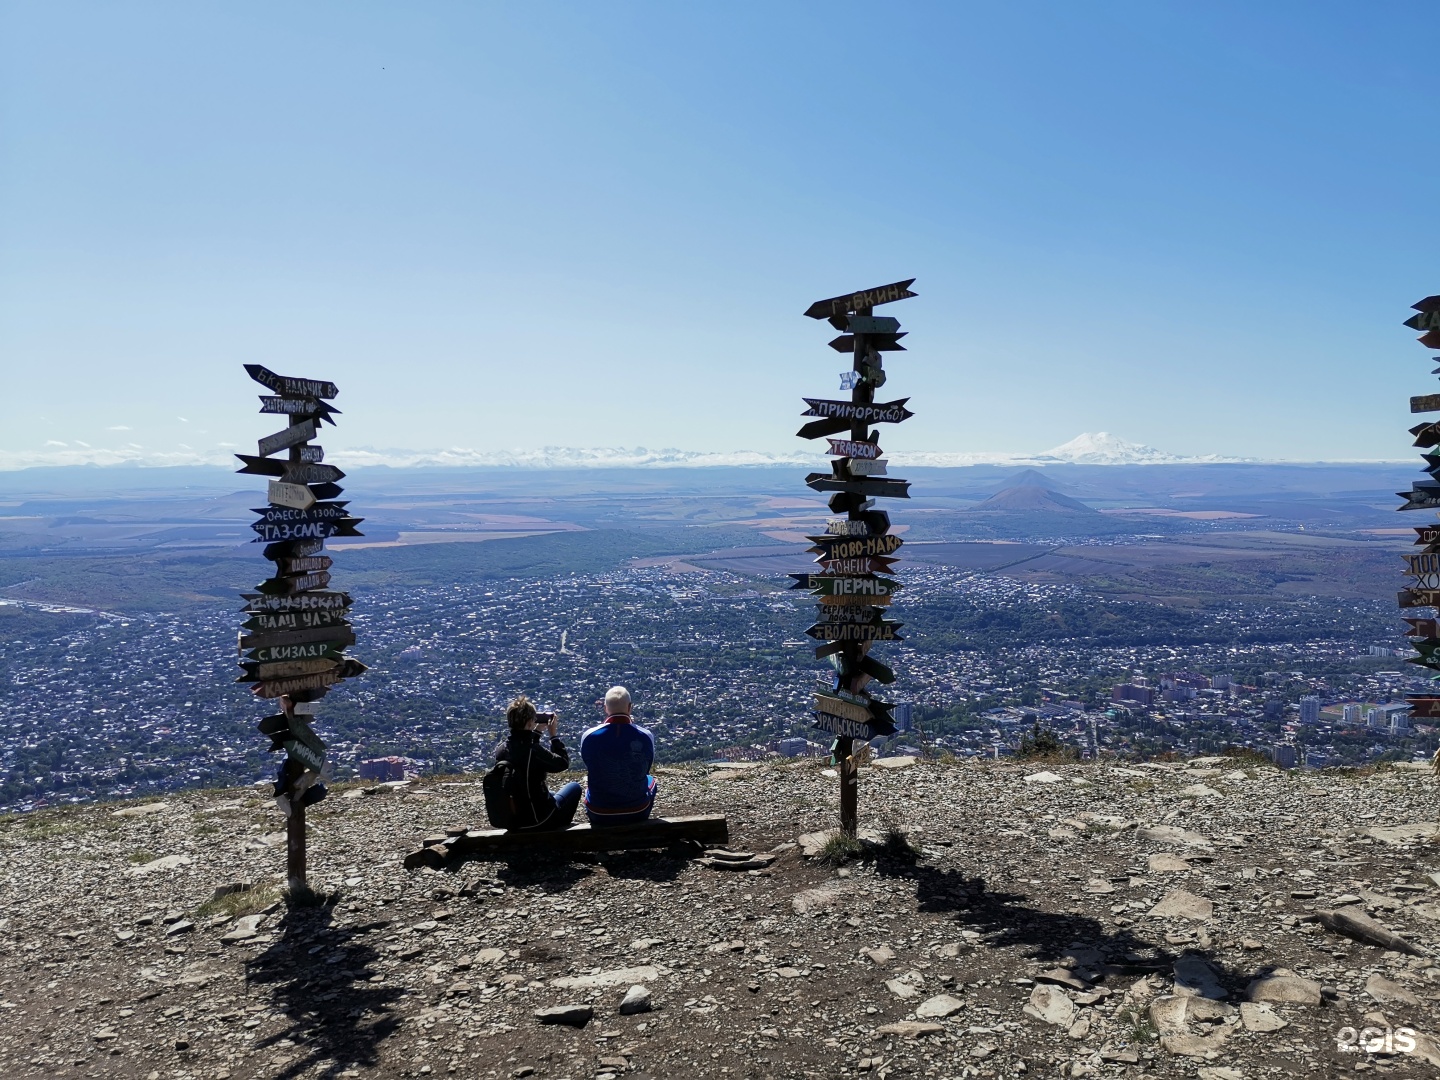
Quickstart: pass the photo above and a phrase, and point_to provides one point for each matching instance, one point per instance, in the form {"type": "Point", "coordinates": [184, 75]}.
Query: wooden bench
{"type": "Point", "coordinates": [710, 830]}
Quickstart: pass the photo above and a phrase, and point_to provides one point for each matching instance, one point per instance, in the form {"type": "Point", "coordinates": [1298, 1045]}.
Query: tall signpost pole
{"type": "Point", "coordinates": [1424, 566]}
{"type": "Point", "coordinates": [856, 549]}
{"type": "Point", "coordinates": [295, 632]}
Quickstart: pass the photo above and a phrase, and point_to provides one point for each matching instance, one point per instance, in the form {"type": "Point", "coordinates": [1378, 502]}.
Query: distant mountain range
{"type": "Point", "coordinates": [1090, 448]}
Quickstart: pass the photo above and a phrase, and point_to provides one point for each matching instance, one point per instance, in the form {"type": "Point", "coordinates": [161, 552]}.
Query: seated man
{"type": "Point", "coordinates": [618, 755]}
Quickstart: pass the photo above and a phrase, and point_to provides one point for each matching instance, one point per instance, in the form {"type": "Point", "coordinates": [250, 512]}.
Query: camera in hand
{"type": "Point", "coordinates": [544, 717]}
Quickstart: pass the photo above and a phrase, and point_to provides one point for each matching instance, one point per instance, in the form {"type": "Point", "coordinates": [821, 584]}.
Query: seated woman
{"type": "Point", "coordinates": [532, 806]}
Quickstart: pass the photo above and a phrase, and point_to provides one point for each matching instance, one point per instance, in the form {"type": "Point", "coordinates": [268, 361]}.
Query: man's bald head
{"type": "Point", "coordinates": [617, 701]}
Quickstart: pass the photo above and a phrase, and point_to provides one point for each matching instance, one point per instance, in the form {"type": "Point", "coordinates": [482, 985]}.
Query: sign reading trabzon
{"type": "Point", "coordinates": [858, 546]}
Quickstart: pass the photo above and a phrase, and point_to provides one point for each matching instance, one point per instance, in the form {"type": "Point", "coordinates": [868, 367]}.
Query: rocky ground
{"type": "Point", "coordinates": [1162, 920]}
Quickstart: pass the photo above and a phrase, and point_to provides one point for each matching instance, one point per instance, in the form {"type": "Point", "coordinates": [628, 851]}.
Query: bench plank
{"type": "Point", "coordinates": [706, 829]}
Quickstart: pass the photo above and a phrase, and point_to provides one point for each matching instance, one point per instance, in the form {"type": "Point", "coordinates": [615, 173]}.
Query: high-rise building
{"type": "Point", "coordinates": [1141, 695]}
{"type": "Point", "coordinates": [1284, 755]}
{"type": "Point", "coordinates": [902, 714]}
{"type": "Point", "coordinates": [1310, 709]}
{"type": "Point", "coordinates": [1351, 714]}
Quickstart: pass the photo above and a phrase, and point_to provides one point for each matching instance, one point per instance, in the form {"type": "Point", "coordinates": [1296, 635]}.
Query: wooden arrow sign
{"type": "Point", "coordinates": [831, 585]}
{"type": "Point", "coordinates": [882, 631]}
{"type": "Point", "coordinates": [1425, 403]}
{"type": "Point", "coordinates": [305, 530]}
{"type": "Point", "coordinates": [1427, 534]}
{"type": "Point", "coordinates": [1430, 303]}
{"type": "Point", "coordinates": [854, 412]}
{"type": "Point", "coordinates": [287, 586]}
{"type": "Point", "coordinates": [871, 324]}
{"type": "Point", "coordinates": [870, 487]}
{"type": "Point", "coordinates": [279, 687]}
{"type": "Point", "coordinates": [840, 707]}
{"type": "Point", "coordinates": [846, 615]}
{"type": "Point", "coordinates": [285, 670]}
{"type": "Point", "coordinates": [293, 549]}
{"type": "Point", "coordinates": [307, 406]}
{"type": "Point", "coordinates": [1423, 708]}
{"type": "Point", "coordinates": [1430, 339]}
{"type": "Point", "coordinates": [291, 436]}
{"type": "Point", "coordinates": [305, 650]}
{"type": "Point", "coordinates": [261, 466]}
{"type": "Point", "coordinates": [308, 564]}
{"type": "Point", "coordinates": [258, 603]}
{"type": "Point", "coordinates": [854, 448]}
{"type": "Point", "coordinates": [279, 515]}
{"type": "Point", "coordinates": [876, 670]}
{"type": "Point", "coordinates": [855, 599]}
{"type": "Point", "coordinates": [859, 467]}
{"type": "Point", "coordinates": [1423, 628]}
{"type": "Point", "coordinates": [865, 564]}
{"type": "Point", "coordinates": [865, 298]}
{"type": "Point", "coordinates": [1426, 434]}
{"type": "Point", "coordinates": [291, 387]}
{"type": "Point", "coordinates": [1426, 320]}
{"type": "Point", "coordinates": [879, 342]}
{"type": "Point", "coordinates": [1411, 599]}
{"type": "Point", "coordinates": [845, 728]}
{"type": "Point", "coordinates": [335, 635]}
{"type": "Point", "coordinates": [300, 473]}
{"type": "Point", "coordinates": [326, 492]}
{"type": "Point", "coordinates": [1423, 563]}
{"type": "Point", "coordinates": [291, 496]}
{"type": "Point", "coordinates": [1420, 499]}
{"type": "Point", "coordinates": [837, 547]}
{"type": "Point", "coordinates": [295, 620]}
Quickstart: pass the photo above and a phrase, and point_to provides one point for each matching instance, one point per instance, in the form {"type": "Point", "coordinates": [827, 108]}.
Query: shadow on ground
{"type": "Point", "coordinates": [318, 976]}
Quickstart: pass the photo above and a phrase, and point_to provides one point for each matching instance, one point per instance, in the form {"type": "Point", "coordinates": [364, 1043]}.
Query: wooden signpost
{"type": "Point", "coordinates": [858, 547]}
{"type": "Point", "coordinates": [1423, 568]}
{"type": "Point", "coordinates": [296, 630]}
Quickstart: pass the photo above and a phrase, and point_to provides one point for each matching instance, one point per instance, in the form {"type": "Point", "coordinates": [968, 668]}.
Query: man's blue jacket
{"type": "Point", "coordinates": [618, 755]}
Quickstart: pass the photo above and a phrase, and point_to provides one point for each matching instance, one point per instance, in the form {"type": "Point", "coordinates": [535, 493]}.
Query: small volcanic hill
{"type": "Point", "coordinates": [1032, 495]}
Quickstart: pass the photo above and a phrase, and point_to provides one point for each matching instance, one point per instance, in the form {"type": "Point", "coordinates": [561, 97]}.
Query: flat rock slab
{"type": "Point", "coordinates": [1285, 987]}
{"type": "Point", "coordinates": [1050, 1005]}
{"type": "Point", "coordinates": [570, 1015]}
{"type": "Point", "coordinates": [165, 862]}
{"type": "Point", "coordinates": [938, 1007]}
{"type": "Point", "coordinates": [245, 928]}
{"type": "Point", "coordinates": [901, 761]}
{"type": "Point", "coordinates": [143, 810]}
{"type": "Point", "coordinates": [1402, 834]}
{"type": "Point", "coordinates": [1201, 1046]}
{"type": "Point", "coordinates": [1179, 904]}
{"type": "Point", "coordinates": [1200, 791]}
{"type": "Point", "coordinates": [910, 1029]}
{"type": "Point", "coordinates": [901, 989]}
{"type": "Point", "coordinates": [819, 899]}
{"type": "Point", "coordinates": [1044, 778]}
{"type": "Point", "coordinates": [618, 977]}
{"type": "Point", "coordinates": [1387, 991]}
{"type": "Point", "coordinates": [1172, 834]}
{"type": "Point", "coordinates": [1258, 1016]}
{"type": "Point", "coordinates": [1165, 863]}
{"type": "Point", "coordinates": [1195, 978]}
{"type": "Point", "coordinates": [880, 956]}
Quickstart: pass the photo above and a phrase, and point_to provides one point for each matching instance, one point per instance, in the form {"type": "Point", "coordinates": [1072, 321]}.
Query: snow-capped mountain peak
{"type": "Point", "coordinates": [1102, 448]}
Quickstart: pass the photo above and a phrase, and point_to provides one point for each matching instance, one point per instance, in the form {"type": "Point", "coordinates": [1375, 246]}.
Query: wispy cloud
{"type": "Point", "coordinates": [54, 442]}
{"type": "Point", "coordinates": [119, 427]}
{"type": "Point", "coordinates": [81, 442]}
{"type": "Point", "coordinates": [182, 419]}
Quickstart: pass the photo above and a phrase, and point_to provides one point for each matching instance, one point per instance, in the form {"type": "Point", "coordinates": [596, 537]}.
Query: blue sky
{"type": "Point", "coordinates": [501, 226]}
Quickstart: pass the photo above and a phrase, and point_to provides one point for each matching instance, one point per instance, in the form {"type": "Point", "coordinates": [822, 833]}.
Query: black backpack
{"type": "Point", "coordinates": [498, 786]}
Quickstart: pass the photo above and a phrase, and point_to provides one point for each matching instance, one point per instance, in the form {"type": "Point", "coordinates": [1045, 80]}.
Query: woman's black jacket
{"type": "Point", "coordinates": [531, 799]}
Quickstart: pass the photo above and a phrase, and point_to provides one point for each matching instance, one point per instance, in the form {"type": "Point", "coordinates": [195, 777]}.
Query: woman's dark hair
{"type": "Point", "coordinates": [519, 714]}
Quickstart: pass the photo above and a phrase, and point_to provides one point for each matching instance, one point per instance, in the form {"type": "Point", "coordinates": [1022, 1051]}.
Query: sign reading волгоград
{"type": "Point", "coordinates": [858, 547]}
{"type": "Point", "coordinates": [298, 631]}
